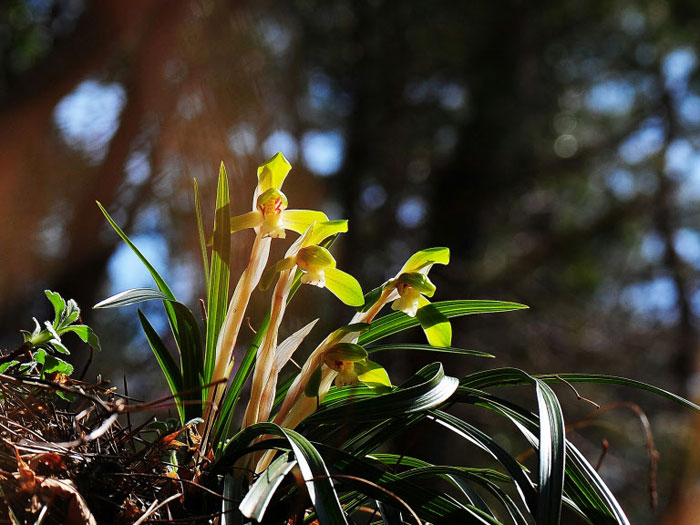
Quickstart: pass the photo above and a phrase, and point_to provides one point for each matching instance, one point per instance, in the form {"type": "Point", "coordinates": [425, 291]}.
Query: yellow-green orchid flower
{"type": "Point", "coordinates": [412, 288]}
{"type": "Point", "coordinates": [408, 292]}
{"type": "Point", "coordinates": [318, 264]}
{"type": "Point", "coordinates": [412, 283]}
{"type": "Point", "coordinates": [270, 212]}
{"type": "Point", "coordinates": [342, 358]}
{"type": "Point", "coordinates": [351, 363]}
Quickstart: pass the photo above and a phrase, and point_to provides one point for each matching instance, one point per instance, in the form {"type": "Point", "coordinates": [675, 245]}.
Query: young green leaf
{"type": "Point", "coordinates": [200, 231]}
{"type": "Point", "coordinates": [165, 360]}
{"type": "Point", "coordinates": [58, 303]}
{"type": "Point", "coordinates": [219, 275]}
{"type": "Point", "coordinates": [85, 333]}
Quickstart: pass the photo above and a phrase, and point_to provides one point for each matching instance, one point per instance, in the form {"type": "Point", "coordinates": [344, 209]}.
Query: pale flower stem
{"type": "Point", "coordinates": [235, 314]}
{"type": "Point", "coordinates": [315, 359]}
{"type": "Point", "coordinates": [264, 372]}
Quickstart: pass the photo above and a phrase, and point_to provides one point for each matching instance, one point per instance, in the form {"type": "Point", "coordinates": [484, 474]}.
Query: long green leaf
{"type": "Point", "coordinates": [132, 297]}
{"type": "Point", "coordinates": [398, 321]}
{"type": "Point", "coordinates": [200, 231]}
{"type": "Point", "coordinates": [589, 496]}
{"type": "Point", "coordinates": [427, 348]}
{"type": "Point", "coordinates": [229, 512]}
{"type": "Point", "coordinates": [260, 494]}
{"type": "Point", "coordinates": [451, 474]}
{"type": "Point", "coordinates": [219, 275]}
{"type": "Point", "coordinates": [551, 456]}
{"type": "Point", "coordinates": [523, 483]}
{"type": "Point", "coordinates": [166, 362]}
{"type": "Point", "coordinates": [189, 341]}
{"type": "Point", "coordinates": [501, 377]}
{"type": "Point", "coordinates": [313, 469]}
{"type": "Point", "coordinates": [428, 388]}
{"type": "Point", "coordinates": [430, 505]}
{"type": "Point", "coordinates": [160, 282]}
{"type": "Point", "coordinates": [162, 286]}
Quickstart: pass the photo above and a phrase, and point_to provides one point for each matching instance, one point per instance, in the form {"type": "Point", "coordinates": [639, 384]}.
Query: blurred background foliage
{"type": "Point", "coordinates": [553, 146]}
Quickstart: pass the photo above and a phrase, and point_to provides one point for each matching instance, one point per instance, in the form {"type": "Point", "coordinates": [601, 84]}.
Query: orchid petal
{"type": "Point", "coordinates": [323, 230]}
{"type": "Point", "coordinates": [272, 173]}
{"type": "Point", "coordinates": [286, 348]}
{"type": "Point", "coordinates": [436, 326]}
{"type": "Point", "coordinates": [422, 261]}
{"type": "Point", "coordinates": [344, 286]}
{"type": "Point", "coordinates": [300, 220]}
{"type": "Point", "coordinates": [247, 220]}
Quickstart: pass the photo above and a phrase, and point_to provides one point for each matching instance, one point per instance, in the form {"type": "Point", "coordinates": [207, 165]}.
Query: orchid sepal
{"type": "Point", "coordinates": [272, 172]}
{"type": "Point", "coordinates": [373, 375]}
{"type": "Point", "coordinates": [423, 260]}
{"type": "Point", "coordinates": [436, 326]}
{"type": "Point", "coordinates": [344, 286]}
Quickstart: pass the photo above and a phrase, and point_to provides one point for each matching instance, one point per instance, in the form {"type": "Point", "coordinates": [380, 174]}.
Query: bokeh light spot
{"type": "Point", "coordinates": [88, 117]}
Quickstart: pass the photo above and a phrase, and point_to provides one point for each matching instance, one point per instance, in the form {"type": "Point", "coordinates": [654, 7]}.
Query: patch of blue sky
{"type": "Point", "coordinates": [695, 302]}
{"type": "Point", "coordinates": [646, 141]}
{"type": "Point", "coordinates": [138, 167]}
{"type": "Point", "coordinates": [677, 67]}
{"type": "Point", "coordinates": [683, 164]}
{"type": "Point", "coordinates": [689, 109]}
{"type": "Point", "coordinates": [611, 97]}
{"type": "Point", "coordinates": [679, 157]}
{"type": "Point", "coordinates": [622, 183]}
{"type": "Point", "coordinates": [148, 218]}
{"type": "Point", "coordinates": [242, 139]}
{"type": "Point", "coordinates": [652, 247]}
{"type": "Point", "coordinates": [690, 186]}
{"type": "Point", "coordinates": [323, 151]}
{"type": "Point", "coordinates": [687, 244]}
{"type": "Point", "coordinates": [184, 279]}
{"type": "Point", "coordinates": [282, 141]}
{"type": "Point", "coordinates": [126, 271]}
{"type": "Point", "coordinates": [654, 299]}
{"type": "Point", "coordinates": [88, 117]}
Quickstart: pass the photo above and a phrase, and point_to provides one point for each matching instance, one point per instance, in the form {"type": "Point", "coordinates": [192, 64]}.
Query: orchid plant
{"type": "Point", "coordinates": [317, 432]}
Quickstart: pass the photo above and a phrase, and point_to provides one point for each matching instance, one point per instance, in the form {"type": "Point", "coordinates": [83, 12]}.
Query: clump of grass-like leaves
{"type": "Point", "coordinates": [313, 445]}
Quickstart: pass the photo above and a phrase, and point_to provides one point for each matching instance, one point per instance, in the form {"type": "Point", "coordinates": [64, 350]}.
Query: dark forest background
{"type": "Point", "coordinates": [553, 146]}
